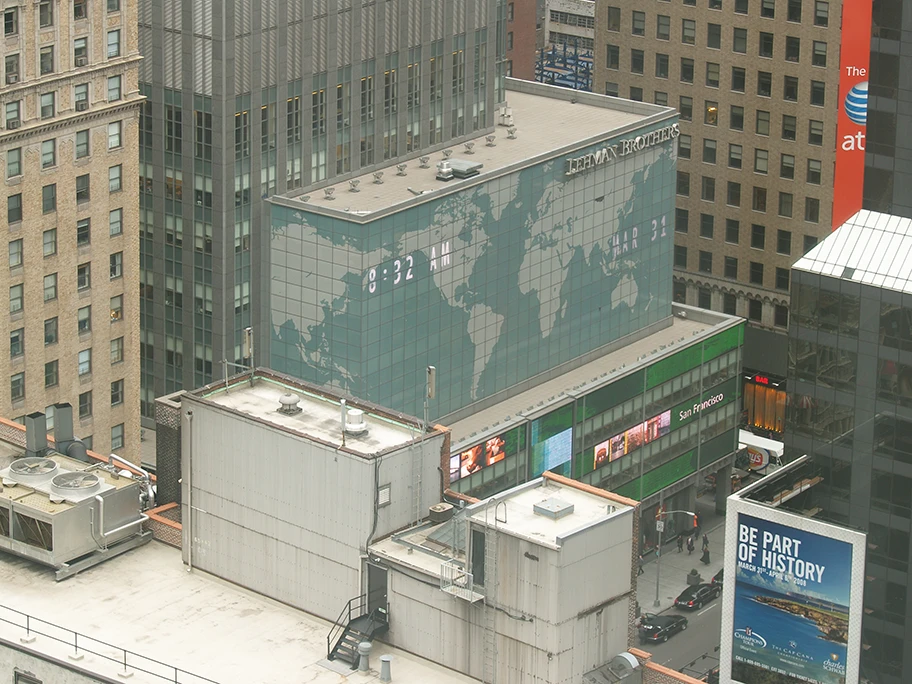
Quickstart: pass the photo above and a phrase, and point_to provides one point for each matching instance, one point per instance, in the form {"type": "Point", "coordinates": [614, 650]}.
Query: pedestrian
{"type": "Point", "coordinates": [680, 543]}
{"type": "Point", "coordinates": [640, 572]}
{"type": "Point", "coordinates": [690, 545]}
{"type": "Point", "coordinates": [705, 558]}
{"type": "Point", "coordinates": [705, 543]}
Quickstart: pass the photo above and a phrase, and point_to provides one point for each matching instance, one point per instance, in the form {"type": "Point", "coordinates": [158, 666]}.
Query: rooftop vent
{"type": "Point", "coordinates": [68, 484]}
{"type": "Point", "coordinates": [447, 154]}
{"type": "Point", "coordinates": [354, 422]}
{"type": "Point", "coordinates": [378, 177]}
{"type": "Point", "coordinates": [465, 169]}
{"type": "Point", "coordinates": [490, 139]}
{"type": "Point", "coordinates": [468, 147]}
{"type": "Point", "coordinates": [441, 512]}
{"type": "Point", "coordinates": [511, 132]}
{"type": "Point", "coordinates": [289, 404]}
{"type": "Point", "coordinates": [425, 162]}
{"type": "Point", "coordinates": [444, 172]}
{"type": "Point", "coordinates": [32, 470]}
{"type": "Point", "coordinates": [553, 508]}
{"type": "Point", "coordinates": [329, 193]}
{"type": "Point", "coordinates": [402, 168]}
{"type": "Point", "coordinates": [305, 198]}
{"type": "Point", "coordinates": [353, 185]}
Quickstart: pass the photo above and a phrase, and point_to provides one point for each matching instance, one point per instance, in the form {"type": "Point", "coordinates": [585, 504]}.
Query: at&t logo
{"type": "Point", "coordinates": [856, 109]}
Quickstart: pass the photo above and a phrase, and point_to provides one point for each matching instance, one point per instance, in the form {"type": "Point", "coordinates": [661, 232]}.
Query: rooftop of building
{"type": "Point", "coordinates": [870, 248]}
{"type": "Point", "coordinates": [550, 121]}
{"type": "Point", "coordinates": [146, 602]}
{"type": "Point", "coordinates": [320, 414]}
{"type": "Point", "coordinates": [621, 358]}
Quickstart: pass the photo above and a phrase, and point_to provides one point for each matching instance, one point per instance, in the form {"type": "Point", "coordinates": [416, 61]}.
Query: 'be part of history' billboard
{"type": "Point", "coordinates": [794, 607]}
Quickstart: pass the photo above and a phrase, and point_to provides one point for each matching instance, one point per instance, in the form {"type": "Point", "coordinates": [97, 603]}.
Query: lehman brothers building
{"type": "Point", "coordinates": [532, 266]}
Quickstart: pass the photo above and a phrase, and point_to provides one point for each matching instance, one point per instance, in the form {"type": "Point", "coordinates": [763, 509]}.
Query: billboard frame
{"type": "Point", "coordinates": [737, 505]}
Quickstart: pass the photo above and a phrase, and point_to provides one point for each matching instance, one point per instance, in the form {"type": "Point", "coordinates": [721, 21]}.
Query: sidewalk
{"type": "Point", "coordinates": [675, 566]}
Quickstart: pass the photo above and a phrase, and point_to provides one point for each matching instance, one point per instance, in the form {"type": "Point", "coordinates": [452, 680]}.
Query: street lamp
{"type": "Point", "coordinates": [660, 527]}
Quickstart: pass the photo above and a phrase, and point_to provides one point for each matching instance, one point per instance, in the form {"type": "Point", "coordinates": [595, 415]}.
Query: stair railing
{"type": "Point", "coordinates": [354, 608]}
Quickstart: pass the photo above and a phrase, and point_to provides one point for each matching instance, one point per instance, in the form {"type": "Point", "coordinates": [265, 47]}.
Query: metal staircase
{"type": "Point", "coordinates": [354, 625]}
{"type": "Point", "coordinates": [489, 665]}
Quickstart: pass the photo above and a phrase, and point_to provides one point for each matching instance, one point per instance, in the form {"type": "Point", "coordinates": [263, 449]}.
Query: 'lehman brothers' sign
{"type": "Point", "coordinates": [621, 149]}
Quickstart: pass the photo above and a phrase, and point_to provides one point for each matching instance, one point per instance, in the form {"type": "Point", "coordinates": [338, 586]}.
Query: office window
{"type": "Point", "coordinates": [729, 303]}
{"type": "Point", "coordinates": [782, 279]}
{"type": "Point", "coordinates": [639, 23]}
{"type": "Point", "coordinates": [785, 204]}
{"type": "Point", "coordinates": [714, 36]}
{"type": "Point", "coordinates": [820, 54]}
{"type": "Point", "coordinates": [80, 9]}
{"type": "Point", "coordinates": [684, 143]}
{"type": "Point", "coordinates": [781, 316]}
{"type": "Point", "coordinates": [709, 151]}
{"type": "Point", "coordinates": [758, 236]}
{"type": "Point", "coordinates": [661, 66]}
{"type": "Point", "coordinates": [663, 27]}
{"type": "Point", "coordinates": [790, 89]}
{"type": "Point", "coordinates": [706, 262]}
{"type": "Point", "coordinates": [661, 98]}
{"type": "Point", "coordinates": [794, 11]}
{"type": "Point", "coordinates": [756, 273]}
{"type": "Point", "coordinates": [712, 74]}
{"type": "Point", "coordinates": [15, 298]}
{"type": "Point", "coordinates": [679, 291]}
{"type": "Point", "coordinates": [14, 162]}
{"type": "Point", "coordinates": [784, 242]}
{"type": "Point", "coordinates": [683, 184]}
{"type": "Point", "coordinates": [84, 276]}
{"type": "Point", "coordinates": [82, 188]}
{"type": "Point", "coordinates": [682, 218]}
{"type": "Point", "coordinates": [115, 222]}
{"type": "Point", "coordinates": [704, 298]}
{"type": "Point", "coordinates": [731, 267]}
{"type": "Point", "coordinates": [738, 79]}
{"type": "Point", "coordinates": [685, 108]}
{"type": "Point", "coordinates": [84, 365]}
{"type": "Point", "coordinates": [11, 21]}
{"type": "Point", "coordinates": [754, 309]}
{"type": "Point", "coordinates": [15, 253]}
{"type": "Point", "coordinates": [51, 374]}
{"type": "Point", "coordinates": [117, 349]}
{"type": "Point", "coordinates": [715, 4]}
{"type": "Point", "coordinates": [114, 43]}
{"type": "Point", "coordinates": [732, 231]}
{"type": "Point", "coordinates": [687, 70]}
{"type": "Point", "coordinates": [815, 132]}
{"type": "Point", "coordinates": [82, 144]}
{"type": "Point", "coordinates": [787, 166]}
{"type": "Point", "coordinates": [759, 202]}
{"type": "Point", "coordinates": [764, 83]}
{"type": "Point", "coordinates": [763, 122]}
{"type": "Point", "coordinates": [117, 432]}
{"type": "Point", "coordinates": [49, 198]}
{"type": "Point", "coordinates": [48, 105]}
{"type": "Point", "coordinates": [818, 93]}
{"type": "Point", "coordinates": [707, 222]}
{"type": "Point", "coordinates": [789, 127]}
{"type": "Point", "coordinates": [766, 44]}
{"type": "Point", "coordinates": [792, 49]}
{"type": "Point", "coordinates": [49, 242]}
{"type": "Point", "coordinates": [114, 178]}
{"type": "Point", "coordinates": [116, 265]}
{"type": "Point", "coordinates": [114, 88]}
{"type": "Point", "coordinates": [734, 156]}
{"type": "Point", "coordinates": [85, 405]}
{"type": "Point", "coordinates": [81, 97]}
{"type": "Point", "coordinates": [636, 93]}
{"type": "Point", "coordinates": [117, 397]}
{"type": "Point", "coordinates": [116, 308]}
{"type": "Point", "coordinates": [48, 153]}
{"type": "Point", "coordinates": [768, 9]}
{"type": "Point", "coordinates": [12, 114]}
{"type": "Point", "coordinates": [50, 331]}
{"type": "Point", "coordinates": [814, 171]}
{"type": "Point", "coordinates": [17, 387]}
{"type": "Point", "coordinates": [708, 189]}
{"type": "Point", "coordinates": [83, 232]}
{"type": "Point", "coordinates": [614, 19]}
{"type": "Point", "coordinates": [680, 256]}
{"type": "Point", "coordinates": [637, 61]}
{"type": "Point", "coordinates": [739, 40]}
{"type": "Point", "coordinates": [45, 13]}
{"type": "Point", "coordinates": [114, 135]}
{"type": "Point", "coordinates": [688, 31]}
{"type": "Point", "coordinates": [17, 342]}
{"type": "Point", "coordinates": [821, 13]}
{"type": "Point", "coordinates": [46, 60]}
{"type": "Point", "coordinates": [613, 57]}
{"type": "Point", "coordinates": [710, 113]}
{"type": "Point", "coordinates": [811, 210]}
{"type": "Point", "coordinates": [84, 319]}
{"type": "Point", "coordinates": [50, 287]}
{"type": "Point", "coordinates": [733, 197]}
{"type": "Point", "coordinates": [510, 40]}
{"type": "Point", "coordinates": [14, 208]}
{"type": "Point", "coordinates": [741, 6]}
{"type": "Point", "coordinates": [761, 161]}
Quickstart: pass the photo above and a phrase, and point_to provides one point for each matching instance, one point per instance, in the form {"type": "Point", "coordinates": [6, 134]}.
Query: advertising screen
{"type": "Point", "coordinates": [553, 452]}
{"type": "Point", "coordinates": [487, 453]}
{"type": "Point", "coordinates": [791, 608]}
{"type": "Point", "coordinates": [619, 445]}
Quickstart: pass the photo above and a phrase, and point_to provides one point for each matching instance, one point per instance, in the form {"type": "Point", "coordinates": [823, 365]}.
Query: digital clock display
{"type": "Point", "coordinates": [404, 268]}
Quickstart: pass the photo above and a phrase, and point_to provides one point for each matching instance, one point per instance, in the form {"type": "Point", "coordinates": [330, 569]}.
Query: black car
{"type": "Point", "coordinates": [694, 597]}
{"type": "Point", "coordinates": [717, 578]}
{"type": "Point", "coordinates": [660, 627]}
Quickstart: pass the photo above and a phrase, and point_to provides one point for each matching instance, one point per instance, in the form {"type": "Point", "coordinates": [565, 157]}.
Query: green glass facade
{"type": "Point", "coordinates": [492, 283]}
{"type": "Point", "coordinates": [634, 436]}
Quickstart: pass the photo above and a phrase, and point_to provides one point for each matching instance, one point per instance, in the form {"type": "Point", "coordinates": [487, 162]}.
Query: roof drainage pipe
{"type": "Point", "coordinates": [101, 518]}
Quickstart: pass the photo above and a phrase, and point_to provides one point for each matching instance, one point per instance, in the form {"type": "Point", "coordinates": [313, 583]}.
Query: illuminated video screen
{"type": "Point", "coordinates": [622, 444]}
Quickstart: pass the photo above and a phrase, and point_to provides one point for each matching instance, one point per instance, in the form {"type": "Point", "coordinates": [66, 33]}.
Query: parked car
{"type": "Point", "coordinates": [717, 578]}
{"type": "Point", "coordinates": [660, 627]}
{"type": "Point", "coordinates": [694, 597]}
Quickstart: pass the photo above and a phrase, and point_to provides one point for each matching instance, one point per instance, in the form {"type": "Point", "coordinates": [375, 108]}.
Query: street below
{"type": "Point", "coordinates": [692, 651]}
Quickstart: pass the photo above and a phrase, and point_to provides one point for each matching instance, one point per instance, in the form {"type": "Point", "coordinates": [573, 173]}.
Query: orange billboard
{"type": "Point", "coordinates": [854, 66]}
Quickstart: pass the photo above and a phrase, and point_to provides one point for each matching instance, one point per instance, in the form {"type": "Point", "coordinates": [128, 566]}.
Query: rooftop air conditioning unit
{"type": "Point", "coordinates": [444, 172]}
{"type": "Point", "coordinates": [82, 105]}
{"type": "Point", "coordinates": [12, 78]}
